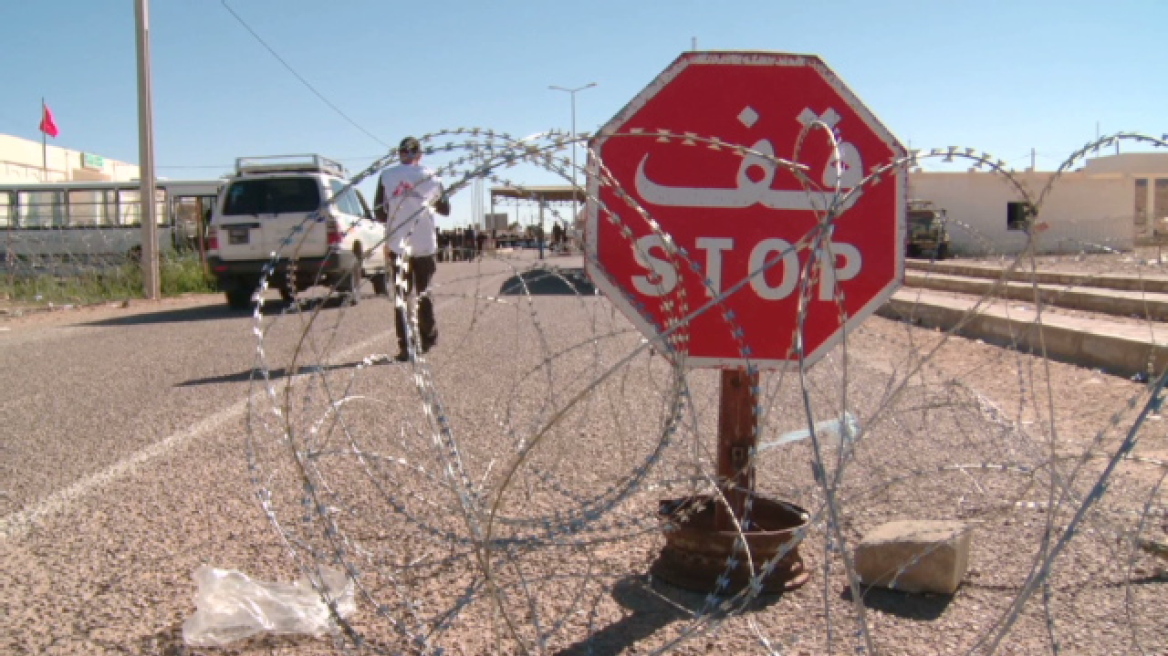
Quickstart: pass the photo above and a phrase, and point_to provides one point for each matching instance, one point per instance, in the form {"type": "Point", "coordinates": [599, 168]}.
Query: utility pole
{"type": "Point", "coordinates": [152, 287]}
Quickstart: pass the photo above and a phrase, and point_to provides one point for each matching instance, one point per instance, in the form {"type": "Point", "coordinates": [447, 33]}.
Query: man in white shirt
{"type": "Point", "coordinates": [408, 195]}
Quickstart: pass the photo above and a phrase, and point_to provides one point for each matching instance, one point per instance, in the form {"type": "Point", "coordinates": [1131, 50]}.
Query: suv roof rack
{"type": "Point", "coordinates": [289, 163]}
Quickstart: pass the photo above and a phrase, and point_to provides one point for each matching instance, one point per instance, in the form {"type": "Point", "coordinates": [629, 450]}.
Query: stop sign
{"type": "Point", "coordinates": [708, 240]}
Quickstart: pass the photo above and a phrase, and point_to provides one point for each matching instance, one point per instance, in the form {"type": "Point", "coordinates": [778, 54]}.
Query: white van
{"type": "Point", "coordinates": [294, 214]}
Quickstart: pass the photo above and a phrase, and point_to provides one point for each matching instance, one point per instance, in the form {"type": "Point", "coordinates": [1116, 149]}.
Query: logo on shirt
{"type": "Point", "coordinates": [403, 188]}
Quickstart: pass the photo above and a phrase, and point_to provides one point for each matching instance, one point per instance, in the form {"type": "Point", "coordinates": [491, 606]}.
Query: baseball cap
{"type": "Point", "coordinates": [409, 145]}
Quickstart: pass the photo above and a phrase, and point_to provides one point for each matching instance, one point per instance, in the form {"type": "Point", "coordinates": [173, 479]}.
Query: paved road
{"type": "Point", "coordinates": [82, 397]}
{"type": "Point", "coordinates": [118, 382]}
{"type": "Point", "coordinates": [124, 460]}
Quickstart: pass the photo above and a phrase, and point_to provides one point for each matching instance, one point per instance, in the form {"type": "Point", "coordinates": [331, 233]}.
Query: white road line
{"type": "Point", "coordinates": [17, 524]}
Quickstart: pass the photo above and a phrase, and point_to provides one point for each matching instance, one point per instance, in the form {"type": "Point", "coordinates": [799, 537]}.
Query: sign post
{"type": "Point", "coordinates": [737, 438]}
{"type": "Point", "coordinates": [739, 225]}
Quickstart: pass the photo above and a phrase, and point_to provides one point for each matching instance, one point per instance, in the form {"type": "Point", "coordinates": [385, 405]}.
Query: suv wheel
{"type": "Point", "coordinates": [351, 283]}
{"type": "Point", "coordinates": [239, 299]}
{"type": "Point", "coordinates": [380, 282]}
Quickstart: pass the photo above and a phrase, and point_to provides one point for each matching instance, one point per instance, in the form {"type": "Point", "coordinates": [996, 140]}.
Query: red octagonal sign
{"type": "Point", "coordinates": [728, 213]}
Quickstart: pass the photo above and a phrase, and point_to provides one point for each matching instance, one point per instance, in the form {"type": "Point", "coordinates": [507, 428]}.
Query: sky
{"type": "Point", "coordinates": [348, 78]}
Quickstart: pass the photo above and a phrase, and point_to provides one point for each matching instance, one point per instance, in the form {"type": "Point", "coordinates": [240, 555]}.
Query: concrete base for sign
{"type": "Point", "coordinates": [696, 555]}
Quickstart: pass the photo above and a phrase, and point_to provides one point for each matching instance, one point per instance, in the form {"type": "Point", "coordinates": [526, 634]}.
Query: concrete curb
{"type": "Point", "coordinates": [1139, 304]}
{"type": "Point", "coordinates": [1151, 283]}
{"type": "Point", "coordinates": [1121, 349]}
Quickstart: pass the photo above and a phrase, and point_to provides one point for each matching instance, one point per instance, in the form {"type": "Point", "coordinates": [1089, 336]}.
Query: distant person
{"type": "Point", "coordinates": [557, 237]}
{"type": "Point", "coordinates": [468, 241]}
{"type": "Point", "coordinates": [408, 194]}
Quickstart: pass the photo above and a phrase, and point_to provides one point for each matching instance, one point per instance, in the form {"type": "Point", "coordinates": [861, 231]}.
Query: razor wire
{"type": "Point", "coordinates": [498, 493]}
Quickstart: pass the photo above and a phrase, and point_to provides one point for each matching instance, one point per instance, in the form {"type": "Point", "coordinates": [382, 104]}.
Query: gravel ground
{"type": "Point", "coordinates": [498, 496]}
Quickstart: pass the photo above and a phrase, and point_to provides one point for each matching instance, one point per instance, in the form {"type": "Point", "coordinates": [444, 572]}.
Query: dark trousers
{"type": "Point", "coordinates": [417, 278]}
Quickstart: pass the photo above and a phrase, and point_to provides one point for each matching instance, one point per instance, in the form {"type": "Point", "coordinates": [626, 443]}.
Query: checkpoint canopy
{"type": "Point", "coordinates": [753, 212]}
{"type": "Point", "coordinates": [538, 193]}
{"type": "Point", "coordinates": [542, 196]}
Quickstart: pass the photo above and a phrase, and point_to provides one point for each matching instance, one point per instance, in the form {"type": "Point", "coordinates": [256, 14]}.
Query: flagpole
{"type": "Point", "coordinates": [44, 146]}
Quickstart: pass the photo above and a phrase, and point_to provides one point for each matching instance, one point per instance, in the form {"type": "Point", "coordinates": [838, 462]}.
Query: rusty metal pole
{"type": "Point", "coordinates": [737, 437]}
{"type": "Point", "coordinates": [700, 540]}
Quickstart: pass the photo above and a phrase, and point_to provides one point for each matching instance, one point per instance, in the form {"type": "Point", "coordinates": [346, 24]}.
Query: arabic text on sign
{"type": "Point", "coordinates": [844, 170]}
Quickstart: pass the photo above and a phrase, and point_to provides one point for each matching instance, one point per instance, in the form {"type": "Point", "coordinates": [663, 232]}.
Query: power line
{"type": "Point", "coordinates": [300, 77]}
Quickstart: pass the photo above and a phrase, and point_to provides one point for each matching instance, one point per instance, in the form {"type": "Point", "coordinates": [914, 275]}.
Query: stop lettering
{"type": "Point", "coordinates": [769, 260]}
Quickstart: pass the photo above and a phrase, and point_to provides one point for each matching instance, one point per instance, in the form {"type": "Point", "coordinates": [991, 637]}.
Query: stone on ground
{"type": "Point", "coordinates": [915, 556]}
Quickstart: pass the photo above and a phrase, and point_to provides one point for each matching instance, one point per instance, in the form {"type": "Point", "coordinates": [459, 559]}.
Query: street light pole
{"type": "Point", "coordinates": [572, 93]}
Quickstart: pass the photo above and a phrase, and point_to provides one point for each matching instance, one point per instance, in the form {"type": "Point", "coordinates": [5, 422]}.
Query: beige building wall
{"type": "Point", "coordinates": [1149, 176]}
{"type": "Point", "coordinates": [21, 160]}
{"type": "Point", "coordinates": [1080, 213]}
{"type": "Point", "coordinates": [1111, 203]}
{"type": "Point", "coordinates": [1130, 163]}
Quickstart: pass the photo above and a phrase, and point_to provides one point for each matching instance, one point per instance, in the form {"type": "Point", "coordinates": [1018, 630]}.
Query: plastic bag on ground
{"type": "Point", "coordinates": [231, 606]}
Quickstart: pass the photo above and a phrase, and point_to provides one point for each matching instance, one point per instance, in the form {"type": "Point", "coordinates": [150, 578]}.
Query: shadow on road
{"type": "Point", "coordinates": [170, 642]}
{"type": "Point", "coordinates": [549, 281]}
{"type": "Point", "coordinates": [909, 606]}
{"type": "Point", "coordinates": [220, 312]}
{"type": "Point", "coordinates": [281, 372]}
{"type": "Point", "coordinates": [653, 606]}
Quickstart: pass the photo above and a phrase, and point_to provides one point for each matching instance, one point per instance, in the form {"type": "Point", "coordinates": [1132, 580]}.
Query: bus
{"type": "Point", "coordinates": [95, 224]}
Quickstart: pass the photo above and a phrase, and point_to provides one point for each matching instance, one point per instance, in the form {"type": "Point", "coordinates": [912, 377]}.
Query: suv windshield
{"type": "Point", "coordinates": [272, 196]}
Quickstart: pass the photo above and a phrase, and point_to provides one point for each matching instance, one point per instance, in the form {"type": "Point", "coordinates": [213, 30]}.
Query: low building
{"type": "Point", "coordinates": [495, 221]}
{"type": "Point", "coordinates": [24, 160]}
{"type": "Point", "coordinates": [1110, 203]}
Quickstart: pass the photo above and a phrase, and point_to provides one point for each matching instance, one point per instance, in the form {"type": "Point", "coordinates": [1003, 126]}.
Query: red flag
{"type": "Point", "coordinates": [48, 125]}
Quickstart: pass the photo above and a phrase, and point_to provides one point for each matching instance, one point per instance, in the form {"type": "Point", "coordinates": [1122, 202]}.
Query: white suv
{"type": "Point", "coordinates": [288, 212]}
